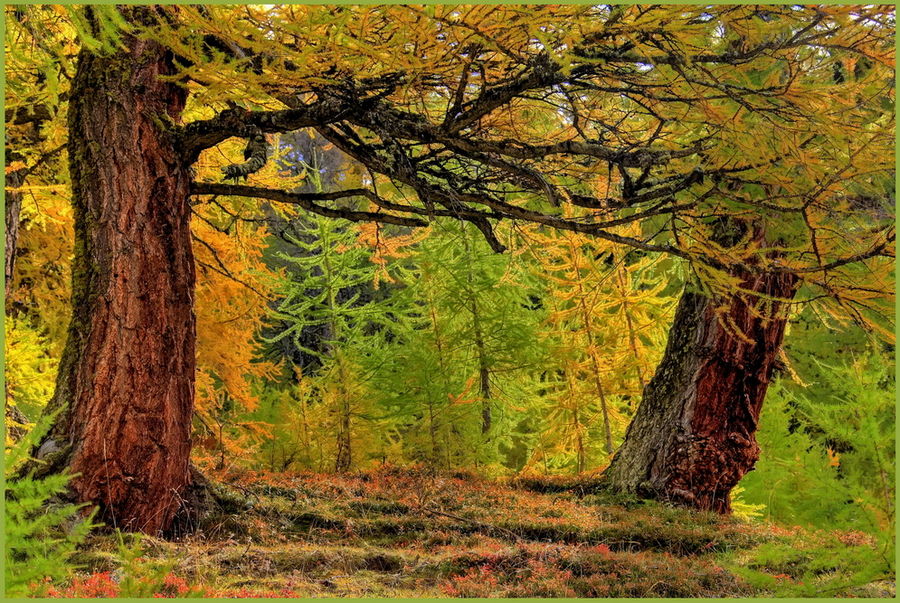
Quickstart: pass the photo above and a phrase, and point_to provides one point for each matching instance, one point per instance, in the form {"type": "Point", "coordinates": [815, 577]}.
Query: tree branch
{"type": "Point", "coordinates": [881, 250]}
{"type": "Point", "coordinates": [223, 270]}
{"type": "Point", "coordinates": [308, 202]}
{"type": "Point", "coordinates": [256, 154]}
{"type": "Point", "coordinates": [199, 135]}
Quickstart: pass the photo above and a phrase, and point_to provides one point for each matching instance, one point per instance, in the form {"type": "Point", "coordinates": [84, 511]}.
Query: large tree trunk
{"type": "Point", "coordinates": [692, 437]}
{"type": "Point", "coordinates": [126, 379]}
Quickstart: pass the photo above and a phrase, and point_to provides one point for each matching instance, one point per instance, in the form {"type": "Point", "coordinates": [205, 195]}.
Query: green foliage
{"type": "Point", "coordinates": [828, 454]}
{"type": "Point", "coordinates": [99, 28]}
{"type": "Point", "coordinates": [30, 369]}
{"type": "Point", "coordinates": [139, 577]}
{"type": "Point", "coordinates": [458, 379]}
{"type": "Point", "coordinates": [829, 461]}
{"type": "Point", "coordinates": [816, 565]}
{"type": "Point", "coordinates": [41, 534]}
{"type": "Point", "coordinates": [324, 289]}
{"type": "Point", "coordinates": [327, 288]}
{"type": "Point", "coordinates": [294, 436]}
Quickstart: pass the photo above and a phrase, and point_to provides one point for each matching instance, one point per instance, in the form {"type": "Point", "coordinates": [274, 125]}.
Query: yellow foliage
{"type": "Point", "coordinates": [609, 315]}
{"type": "Point", "coordinates": [231, 301]}
{"type": "Point", "coordinates": [30, 371]}
{"type": "Point", "coordinates": [42, 279]}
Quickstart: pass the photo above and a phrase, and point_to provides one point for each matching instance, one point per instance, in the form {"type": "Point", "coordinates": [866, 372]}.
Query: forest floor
{"type": "Point", "coordinates": [404, 533]}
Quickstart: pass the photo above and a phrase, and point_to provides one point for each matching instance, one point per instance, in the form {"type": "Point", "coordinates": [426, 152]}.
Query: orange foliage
{"type": "Point", "coordinates": [387, 247]}
{"type": "Point", "coordinates": [231, 301]}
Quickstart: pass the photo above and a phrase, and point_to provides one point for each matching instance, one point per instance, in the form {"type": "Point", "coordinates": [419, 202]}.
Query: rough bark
{"type": "Point", "coordinates": [693, 436]}
{"type": "Point", "coordinates": [13, 208]}
{"type": "Point", "coordinates": [126, 378]}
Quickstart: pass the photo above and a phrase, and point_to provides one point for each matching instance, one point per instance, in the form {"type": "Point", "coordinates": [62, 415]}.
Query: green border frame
{"type": "Point", "coordinates": [384, 2]}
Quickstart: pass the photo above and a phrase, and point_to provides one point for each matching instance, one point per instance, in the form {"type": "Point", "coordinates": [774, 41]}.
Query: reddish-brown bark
{"type": "Point", "coordinates": [693, 436]}
{"type": "Point", "coordinates": [126, 378]}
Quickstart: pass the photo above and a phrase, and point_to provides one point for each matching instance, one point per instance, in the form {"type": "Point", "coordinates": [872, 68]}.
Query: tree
{"type": "Point", "coordinates": [686, 121]}
{"type": "Point", "coordinates": [692, 438]}
{"type": "Point", "coordinates": [453, 374]}
{"type": "Point", "coordinates": [325, 292]}
{"type": "Point", "coordinates": [607, 304]}
{"type": "Point", "coordinates": [132, 330]}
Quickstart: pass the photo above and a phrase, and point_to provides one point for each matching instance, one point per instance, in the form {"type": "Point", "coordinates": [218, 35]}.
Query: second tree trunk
{"type": "Point", "coordinates": [692, 438]}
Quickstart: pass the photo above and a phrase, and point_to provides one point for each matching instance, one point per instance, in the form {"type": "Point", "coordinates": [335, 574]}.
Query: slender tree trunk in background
{"type": "Point", "coordinates": [344, 457]}
{"type": "Point", "coordinates": [692, 438]}
{"type": "Point", "coordinates": [432, 431]}
{"type": "Point", "coordinates": [126, 378]}
{"type": "Point", "coordinates": [436, 453]}
{"type": "Point", "coordinates": [580, 455]}
{"type": "Point", "coordinates": [629, 324]}
{"type": "Point", "coordinates": [484, 370]}
{"type": "Point", "coordinates": [13, 201]}
{"type": "Point", "coordinates": [13, 208]}
{"type": "Point", "coordinates": [577, 427]}
{"type": "Point", "coordinates": [598, 382]}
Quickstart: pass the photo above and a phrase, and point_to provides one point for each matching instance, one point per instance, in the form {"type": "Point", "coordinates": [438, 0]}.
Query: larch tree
{"type": "Point", "coordinates": [754, 143]}
{"type": "Point", "coordinates": [470, 337]}
{"type": "Point", "coordinates": [606, 304]}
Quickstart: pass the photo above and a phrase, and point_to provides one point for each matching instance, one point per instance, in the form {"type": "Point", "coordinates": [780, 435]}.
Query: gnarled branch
{"type": "Point", "coordinates": [199, 135]}
{"type": "Point", "coordinates": [307, 201]}
{"type": "Point", "coordinates": [256, 154]}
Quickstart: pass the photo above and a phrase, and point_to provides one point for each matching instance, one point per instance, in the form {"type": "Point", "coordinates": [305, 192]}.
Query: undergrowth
{"type": "Point", "coordinates": [412, 533]}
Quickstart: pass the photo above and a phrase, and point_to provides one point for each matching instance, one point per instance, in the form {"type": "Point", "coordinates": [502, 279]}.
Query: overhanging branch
{"type": "Point", "coordinates": [308, 201]}
{"type": "Point", "coordinates": [199, 135]}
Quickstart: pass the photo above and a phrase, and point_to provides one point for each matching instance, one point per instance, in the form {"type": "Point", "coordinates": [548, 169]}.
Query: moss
{"type": "Point", "coordinates": [50, 458]}
{"type": "Point", "coordinates": [378, 507]}
{"type": "Point", "coordinates": [311, 519]}
{"type": "Point", "coordinates": [299, 517]}
{"type": "Point", "coordinates": [557, 484]}
{"type": "Point", "coordinates": [561, 544]}
{"type": "Point", "coordinates": [270, 490]}
{"type": "Point", "coordinates": [288, 560]}
{"type": "Point", "coordinates": [229, 500]}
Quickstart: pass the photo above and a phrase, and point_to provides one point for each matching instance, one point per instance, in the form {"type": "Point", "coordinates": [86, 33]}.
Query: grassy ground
{"type": "Point", "coordinates": [401, 533]}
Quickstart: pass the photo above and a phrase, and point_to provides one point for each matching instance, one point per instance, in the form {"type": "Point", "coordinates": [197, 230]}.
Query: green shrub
{"type": "Point", "coordinates": [828, 461]}
{"type": "Point", "coordinates": [41, 534]}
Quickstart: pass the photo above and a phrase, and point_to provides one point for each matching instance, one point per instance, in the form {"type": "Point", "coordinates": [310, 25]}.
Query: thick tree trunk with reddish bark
{"type": "Point", "coordinates": [693, 436]}
{"type": "Point", "coordinates": [126, 379]}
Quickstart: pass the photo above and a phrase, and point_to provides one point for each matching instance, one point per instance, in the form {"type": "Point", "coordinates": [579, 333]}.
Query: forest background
{"type": "Point", "coordinates": [330, 347]}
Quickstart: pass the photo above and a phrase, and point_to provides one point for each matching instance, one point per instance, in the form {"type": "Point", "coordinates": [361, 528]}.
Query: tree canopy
{"type": "Point", "coordinates": [624, 114]}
